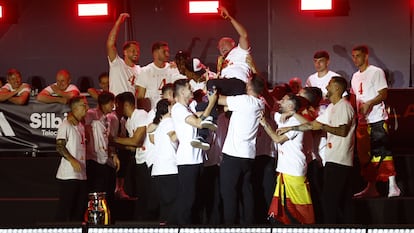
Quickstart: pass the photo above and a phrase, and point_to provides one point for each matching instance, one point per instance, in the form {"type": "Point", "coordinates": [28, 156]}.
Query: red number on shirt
{"type": "Point", "coordinates": [132, 80]}
{"type": "Point", "coordinates": [361, 91]}
{"type": "Point", "coordinates": [162, 84]}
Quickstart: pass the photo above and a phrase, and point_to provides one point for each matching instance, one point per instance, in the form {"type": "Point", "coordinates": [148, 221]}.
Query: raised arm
{"type": "Point", "coordinates": [243, 39]}
{"type": "Point", "coordinates": [278, 138]}
{"type": "Point", "coordinates": [196, 120]}
{"type": "Point", "coordinates": [111, 42]}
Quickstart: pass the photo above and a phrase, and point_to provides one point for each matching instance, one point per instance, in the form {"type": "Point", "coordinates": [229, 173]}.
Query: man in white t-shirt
{"type": "Point", "coordinates": [233, 68]}
{"type": "Point", "coordinates": [339, 122]}
{"type": "Point", "coordinates": [322, 76]}
{"type": "Point", "coordinates": [189, 159]}
{"type": "Point", "coordinates": [239, 151]}
{"type": "Point", "coordinates": [14, 90]}
{"type": "Point", "coordinates": [136, 125]}
{"type": "Point", "coordinates": [122, 72]}
{"type": "Point", "coordinates": [319, 79]}
{"type": "Point", "coordinates": [156, 74]}
{"type": "Point", "coordinates": [369, 87]}
{"type": "Point", "coordinates": [61, 91]}
{"type": "Point", "coordinates": [102, 162]}
{"type": "Point", "coordinates": [71, 174]}
{"type": "Point", "coordinates": [291, 201]}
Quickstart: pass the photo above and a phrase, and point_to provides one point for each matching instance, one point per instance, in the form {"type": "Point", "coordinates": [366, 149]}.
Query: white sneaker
{"type": "Point", "coordinates": [394, 191]}
{"type": "Point", "coordinates": [200, 143]}
{"type": "Point", "coordinates": [208, 123]}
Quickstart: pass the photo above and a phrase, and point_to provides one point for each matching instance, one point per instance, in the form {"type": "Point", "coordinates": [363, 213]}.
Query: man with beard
{"type": "Point", "coordinates": [156, 74]}
{"type": "Point", "coordinates": [339, 122]}
{"type": "Point", "coordinates": [122, 72]}
{"type": "Point", "coordinates": [291, 200]}
{"type": "Point", "coordinates": [71, 174]}
{"type": "Point", "coordinates": [370, 90]}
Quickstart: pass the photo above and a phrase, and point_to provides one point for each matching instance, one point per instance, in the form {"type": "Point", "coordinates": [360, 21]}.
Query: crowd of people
{"type": "Point", "coordinates": [219, 148]}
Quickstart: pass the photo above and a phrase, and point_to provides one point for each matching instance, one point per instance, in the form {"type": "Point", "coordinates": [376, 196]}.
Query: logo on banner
{"type": "Point", "coordinates": [5, 127]}
{"type": "Point", "coordinates": [48, 122]}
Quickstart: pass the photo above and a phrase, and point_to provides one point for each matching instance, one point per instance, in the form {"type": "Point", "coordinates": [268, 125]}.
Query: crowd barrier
{"type": "Point", "coordinates": [31, 128]}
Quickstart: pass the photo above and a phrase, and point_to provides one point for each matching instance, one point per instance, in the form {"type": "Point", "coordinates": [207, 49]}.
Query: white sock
{"type": "Point", "coordinates": [392, 181]}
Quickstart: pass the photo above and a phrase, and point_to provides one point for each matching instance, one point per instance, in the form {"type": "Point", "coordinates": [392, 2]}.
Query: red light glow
{"type": "Point", "coordinates": [1, 11]}
{"type": "Point", "coordinates": [313, 5]}
{"type": "Point", "coordinates": [203, 7]}
{"type": "Point", "coordinates": [93, 9]}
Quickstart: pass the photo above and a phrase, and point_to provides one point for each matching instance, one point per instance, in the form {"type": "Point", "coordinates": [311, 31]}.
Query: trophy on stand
{"type": "Point", "coordinates": [98, 212]}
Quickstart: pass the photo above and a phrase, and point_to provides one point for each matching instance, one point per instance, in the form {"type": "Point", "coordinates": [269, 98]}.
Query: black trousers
{"type": "Point", "coordinates": [337, 194]}
{"type": "Point", "coordinates": [227, 86]}
{"type": "Point", "coordinates": [236, 190]}
{"type": "Point", "coordinates": [315, 178]}
{"type": "Point", "coordinates": [264, 182]}
{"type": "Point", "coordinates": [167, 188]}
{"type": "Point", "coordinates": [143, 189]}
{"type": "Point", "coordinates": [73, 200]}
{"type": "Point", "coordinates": [210, 196]}
{"type": "Point", "coordinates": [188, 183]}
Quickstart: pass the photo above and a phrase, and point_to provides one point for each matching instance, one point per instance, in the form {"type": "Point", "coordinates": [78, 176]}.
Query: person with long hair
{"type": "Point", "coordinates": [164, 170]}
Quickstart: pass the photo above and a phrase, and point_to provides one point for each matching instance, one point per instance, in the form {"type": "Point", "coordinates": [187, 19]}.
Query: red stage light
{"type": "Point", "coordinates": [8, 12]}
{"type": "Point", "coordinates": [93, 9]}
{"type": "Point", "coordinates": [203, 7]}
{"type": "Point", "coordinates": [314, 5]}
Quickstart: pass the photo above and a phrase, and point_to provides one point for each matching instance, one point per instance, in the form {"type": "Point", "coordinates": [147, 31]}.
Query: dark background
{"type": "Point", "coordinates": [47, 36]}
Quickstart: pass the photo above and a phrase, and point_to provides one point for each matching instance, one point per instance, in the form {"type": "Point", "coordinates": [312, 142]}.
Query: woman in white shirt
{"type": "Point", "coordinates": [164, 170]}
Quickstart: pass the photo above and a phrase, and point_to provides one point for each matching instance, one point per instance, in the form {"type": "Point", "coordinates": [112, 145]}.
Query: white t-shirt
{"type": "Point", "coordinates": [8, 87]}
{"type": "Point", "coordinates": [71, 87]}
{"type": "Point", "coordinates": [165, 159]}
{"type": "Point", "coordinates": [241, 135]}
{"type": "Point", "coordinates": [365, 86]}
{"type": "Point", "coordinates": [121, 76]}
{"type": "Point", "coordinates": [235, 65]}
{"type": "Point", "coordinates": [186, 154]}
{"type": "Point", "coordinates": [149, 147]}
{"type": "Point", "coordinates": [99, 127]}
{"type": "Point", "coordinates": [138, 119]}
{"type": "Point", "coordinates": [153, 78]}
{"type": "Point", "coordinates": [75, 144]}
{"type": "Point", "coordinates": [339, 149]}
{"type": "Point", "coordinates": [321, 82]}
{"type": "Point", "coordinates": [291, 159]}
